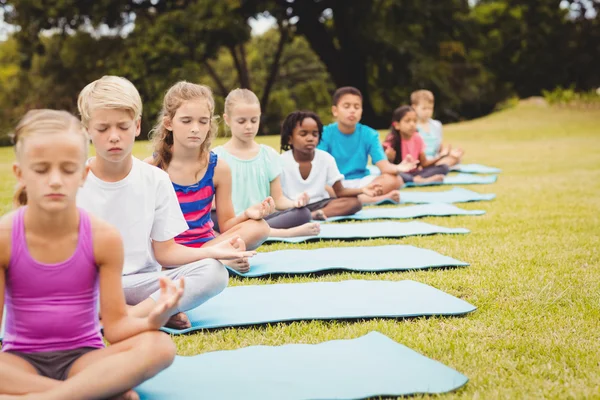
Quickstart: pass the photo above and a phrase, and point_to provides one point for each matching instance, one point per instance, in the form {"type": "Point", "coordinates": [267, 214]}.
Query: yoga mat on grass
{"type": "Point", "coordinates": [370, 366]}
{"type": "Point", "coordinates": [453, 179]}
{"type": "Point", "coordinates": [454, 195]}
{"type": "Point", "coordinates": [475, 169]}
{"type": "Point", "coordinates": [458, 179]}
{"type": "Point", "coordinates": [369, 230]}
{"type": "Point", "coordinates": [364, 259]}
{"type": "Point", "coordinates": [353, 299]}
{"type": "Point", "coordinates": [423, 210]}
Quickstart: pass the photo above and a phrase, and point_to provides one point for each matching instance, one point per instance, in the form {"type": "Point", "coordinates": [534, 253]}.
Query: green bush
{"type": "Point", "coordinates": [570, 97]}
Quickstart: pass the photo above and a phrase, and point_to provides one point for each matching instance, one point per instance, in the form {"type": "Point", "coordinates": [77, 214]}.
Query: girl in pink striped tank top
{"type": "Point", "coordinates": [57, 264]}
{"type": "Point", "coordinates": [182, 138]}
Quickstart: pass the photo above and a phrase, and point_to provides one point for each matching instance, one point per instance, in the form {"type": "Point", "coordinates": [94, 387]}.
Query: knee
{"type": "Point", "coordinates": [304, 215]}
{"type": "Point", "coordinates": [259, 229]}
{"type": "Point", "coordinates": [218, 277]}
{"type": "Point", "coordinates": [159, 350]}
{"type": "Point", "coordinates": [354, 205]}
{"type": "Point", "coordinates": [209, 276]}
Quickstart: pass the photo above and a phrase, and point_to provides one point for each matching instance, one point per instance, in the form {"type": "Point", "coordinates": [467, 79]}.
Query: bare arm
{"type": "Point", "coordinates": [118, 324]}
{"type": "Point", "coordinates": [109, 255]}
{"type": "Point", "coordinates": [281, 202]}
{"type": "Point", "coordinates": [341, 191]}
{"type": "Point", "coordinates": [225, 212]}
{"type": "Point", "coordinates": [387, 167]}
{"type": "Point", "coordinates": [5, 245]}
{"type": "Point", "coordinates": [171, 254]}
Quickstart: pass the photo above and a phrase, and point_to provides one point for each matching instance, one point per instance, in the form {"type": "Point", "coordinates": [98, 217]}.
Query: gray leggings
{"type": "Point", "coordinates": [425, 172]}
{"type": "Point", "coordinates": [203, 279]}
{"type": "Point", "coordinates": [285, 219]}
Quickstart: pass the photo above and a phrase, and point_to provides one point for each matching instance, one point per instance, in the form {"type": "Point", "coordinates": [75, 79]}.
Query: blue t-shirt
{"type": "Point", "coordinates": [352, 151]}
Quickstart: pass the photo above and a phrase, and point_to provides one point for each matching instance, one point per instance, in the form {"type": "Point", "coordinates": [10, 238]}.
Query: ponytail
{"type": "Point", "coordinates": [20, 197]}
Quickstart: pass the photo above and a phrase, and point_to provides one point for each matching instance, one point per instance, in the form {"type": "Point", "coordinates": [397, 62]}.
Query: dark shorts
{"type": "Point", "coordinates": [53, 364]}
{"type": "Point", "coordinates": [317, 205]}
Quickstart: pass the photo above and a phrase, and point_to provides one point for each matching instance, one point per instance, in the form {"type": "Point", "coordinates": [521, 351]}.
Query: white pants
{"type": "Point", "coordinates": [203, 279]}
{"type": "Point", "coordinates": [358, 183]}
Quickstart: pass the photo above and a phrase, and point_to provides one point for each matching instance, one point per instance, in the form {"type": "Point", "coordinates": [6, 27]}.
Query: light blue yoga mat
{"type": "Point", "coordinates": [370, 366]}
{"type": "Point", "coordinates": [458, 179]}
{"type": "Point", "coordinates": [365, 259]}
{"type": "Point", "coordinates": [354, 299]}
{"type": "Point", "coordinates": [369, 230]}
{"type": "Point", "coordinates": [423, 210]}
{"type": "Point", "coordinates": [454, 195]}
{"type": "Point", "coordinates": [475, 169]}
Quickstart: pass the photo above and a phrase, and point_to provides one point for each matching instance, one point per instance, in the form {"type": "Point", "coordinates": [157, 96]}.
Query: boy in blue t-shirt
{"type": "Point", "coordinates": [351, 143]}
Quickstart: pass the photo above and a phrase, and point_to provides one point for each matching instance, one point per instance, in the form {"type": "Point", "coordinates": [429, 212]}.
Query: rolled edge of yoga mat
{"type": "Point", "coordinates": [371, 259]}
{"type": "Point", "coordinates": [475, 169]}
{"type": "Point", "coordinates": [408, 212]}
{"type": "Point", "coordinates": [458, 179]}
{"type": "Point", "coordinates": [370, 366]}
{"type": "Point", "coordinates": [371, 230]}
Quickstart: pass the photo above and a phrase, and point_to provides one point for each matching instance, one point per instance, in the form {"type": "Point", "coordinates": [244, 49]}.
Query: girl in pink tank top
{"type": "Point", "coordinates": [57, 264]}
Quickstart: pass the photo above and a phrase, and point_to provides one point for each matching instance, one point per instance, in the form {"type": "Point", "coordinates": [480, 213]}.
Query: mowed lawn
{"type": "Point", "coordinates": [534, 273]}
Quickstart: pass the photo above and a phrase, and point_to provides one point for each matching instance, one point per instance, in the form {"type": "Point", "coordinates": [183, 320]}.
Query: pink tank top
{"type": "Point", "coordinates": [51, 307]}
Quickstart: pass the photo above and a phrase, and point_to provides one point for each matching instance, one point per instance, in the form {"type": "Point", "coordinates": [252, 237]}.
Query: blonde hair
{"type": "Point", "coordinates": [419, 96]}
{"type": "Point", "coordinates": [236, 96]}
{"type": "Point", "coordinates": [109, 92]}
{"type": "Point", "coordinates": [44, 122]}
{"type": "Point", "coordinates": [162, 138]}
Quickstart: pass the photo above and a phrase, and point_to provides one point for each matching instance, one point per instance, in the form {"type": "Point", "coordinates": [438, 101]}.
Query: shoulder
{"type": "Point", "coordinates": [219, 151]}
{"type": "Point", "coordinates": [323, 156]}
{"type": "Point", "coordinates": [367, 131]}
{"type": "Point", "coordinates": [269, 152]}
{"type": "Point", "coordinates": [328, 129]}
{"type": "Point", "coordinates": [105, 237]}
{"type": "Point", "coordinates": [150, 172]}
{"type": "Point", "coordinates": [417, 138]}
{"type": "Point", "coordinates": [221, 165]}
{"type": "Point", "coordinates": [6, 223]}
{"type": "Point", "coordinates": [435, 122]}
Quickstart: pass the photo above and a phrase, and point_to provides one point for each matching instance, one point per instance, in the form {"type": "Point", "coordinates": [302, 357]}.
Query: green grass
{"type": "Point", "coordinates": [534, 273]}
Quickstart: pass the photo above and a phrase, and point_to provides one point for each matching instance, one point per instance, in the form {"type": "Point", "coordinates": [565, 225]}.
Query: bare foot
{"type": "Point", "coordinates": [129, 395]}
{"type": "Point", "coordinates": [434, 178]}
{"type": "Point", "coordinates": [318, 215]}
{"type": "Point", "coordinates": [393, 196]}
{"type": "Point", "coordinates": [177, 321]}
{"type": "Point", "coordinates": [308, 229]}
{"type": "Point", "coordinates": [239, 264]}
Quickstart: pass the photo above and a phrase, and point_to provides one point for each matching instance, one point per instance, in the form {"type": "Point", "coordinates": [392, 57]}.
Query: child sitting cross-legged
{"type": "Point", "coordinates": [310, 170]}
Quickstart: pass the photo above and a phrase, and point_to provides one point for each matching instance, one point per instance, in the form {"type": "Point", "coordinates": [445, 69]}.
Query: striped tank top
{"type": "Point", "coordinates": [196, 202]}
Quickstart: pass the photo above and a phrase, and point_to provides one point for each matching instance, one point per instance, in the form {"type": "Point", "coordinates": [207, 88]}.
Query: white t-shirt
{"type": "Point", "coordinates": [324, 172]}
{"type": "Point", "coordinates": [143, 207]}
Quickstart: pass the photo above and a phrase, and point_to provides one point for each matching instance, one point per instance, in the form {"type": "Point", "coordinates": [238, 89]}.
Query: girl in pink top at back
{"type": "Point", "coordinates": [55, 262]}
{"type": "Point", "coordinates": [404, 143]}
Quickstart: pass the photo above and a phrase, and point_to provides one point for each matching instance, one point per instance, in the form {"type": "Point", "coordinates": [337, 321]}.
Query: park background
{"type": "Point", "coordinates": [535, 265]}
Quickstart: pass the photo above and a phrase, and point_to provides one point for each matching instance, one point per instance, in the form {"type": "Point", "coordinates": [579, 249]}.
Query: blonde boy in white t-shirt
{"type": "Point", "coordinates": [139, 200]}
{"type": "Point", "coordinates": [307, 169]}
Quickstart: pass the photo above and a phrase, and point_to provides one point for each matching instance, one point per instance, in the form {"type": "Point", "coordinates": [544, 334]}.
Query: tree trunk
{"type": "Point", "coordinates": [346, 64]}
{"type": "Point", "coordinates": [274, 70]}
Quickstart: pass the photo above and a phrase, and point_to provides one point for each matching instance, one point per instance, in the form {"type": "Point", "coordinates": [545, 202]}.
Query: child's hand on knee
{"type": "Point", "coordinates": [166, 306]}
{"type": "Point", "coordinates": [408, 164]}
{"type": "Point", "coordinates": [373, 189]}
{"type": "Point", "coordinates": [261, 210]}
{"type": "Point", "coordinates": [231, 249]}
{"type": "Point", "coordinates": [302, 200]}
